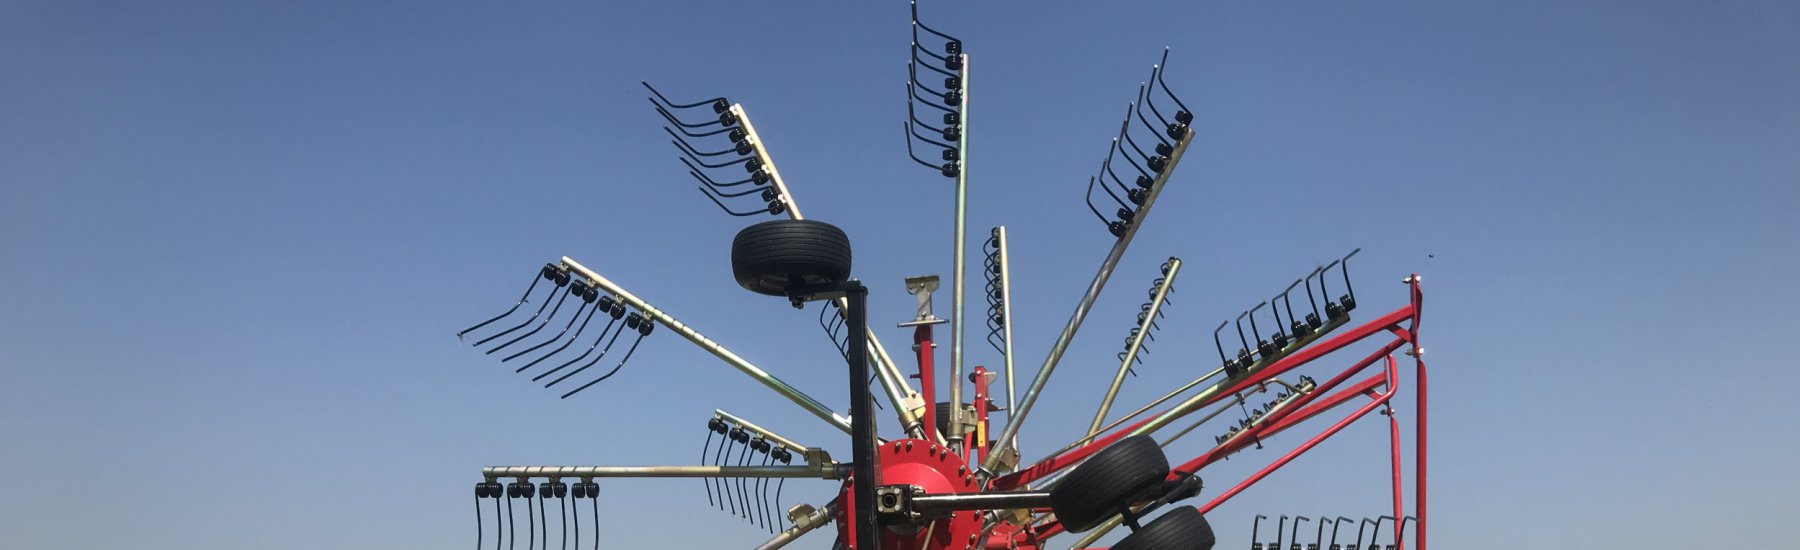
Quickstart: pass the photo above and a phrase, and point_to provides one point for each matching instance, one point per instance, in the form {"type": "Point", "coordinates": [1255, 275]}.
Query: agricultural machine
{"type": "Point", "coordinates": [950, 481]}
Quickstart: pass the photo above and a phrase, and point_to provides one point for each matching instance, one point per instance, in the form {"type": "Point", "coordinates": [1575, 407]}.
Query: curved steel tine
{"type": "Point", "coordinates": [559, 349]}
{"type": "Point", "coordinates": [1365, 525]}
{"type": "Point", "coordinates": [1346, 271]}
{"type": "Point", "coordinates": [921, 24]}
{"type": "Point", "coordinates": [728, 210]}
{"type": "Point", "coordinates": [723, 194]}
{"type": "Point", "coordinates": [1323, 293]}
{"type": "Point", "coordinates": [909, 149]}
{"type": "Point", "coordinates": [1149, 99]}
{"type": "Point", "coordinates": [528, 320]}
{"type": "Point", "coordinates": [735, 162]}
{"type": "Point", "coordinates": [1089, 198]}
{"type": "Point", "coordinates": [762, 489]}
{"type": "Point", "coordinates": [1139, 110]}
{"type": "Point", "coordinates": [744, 460]}
{"type": "Point", "coordinates": [910, 90]}
{"type": "Point", "coordinates": [1254, 333]}
{"type": "Point", "coordinates": [703, 449]}
{"type": "Point", "coordinates": [535, 277]}
{"type": "Point", "coordinates": [915, 133]}
{"type": "Point", "coordinates": [1106, 166]}
{"type": "Point", "coordinates": [1309, 293]}
{"type": "Point", "coordinates": [615, 370]}
{"type": "Point", "coordinates": [590, 363]}
{"type": "Point", "coordinates": [1110, 193]}
{"type": "Point", "coordinates": [701, 175]}
{"type": "Point", "coordinates": [1132, 141]}
{"type": "Point", "coordinates": [597, 340]}
{"type": "Point", "coordinates": [910, 113]}
{"type": "Point", "coordinates": [541, 325]}
{"type": "Point", "coordinates": [1218, 344]}
{"type": "Point", "coordinates": [917, 48]}
{"type": "Point", "coordinates": [1400, 528]}
{"type": "Point", "coordinates": [719, 459]}
{"type": "Point", "coordinates": [1334, 529]}
{"type": "Point", "coordinates": [704, 181]}
{"type": "Point", "coordinates": [1164, 84]}
{"type": "Point", "coordinates": [1275, 308]}
{"type": "Point", "coordinates": [685, 146]}
{"type": "Point", "coordinates": [1240, 330]}
{"type": "Point", "coordinates": [684, 126]}
{"type": "Point", "coordinates": [913, 71]}
{"type": "Point", "coordinates": [674, 105]}
{"type": "Point", "coordinates": [1288, 299]}
{"type": "Point", "coordinates": [579, 307]}
{"type": "Point", "coordinates": [933, 69]}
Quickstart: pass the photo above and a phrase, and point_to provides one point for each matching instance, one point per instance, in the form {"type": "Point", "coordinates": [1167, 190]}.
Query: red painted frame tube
{"type": "Point", "coordinates": [922, 347]}
{"type": "Point", "coordinates": [1393, 386]}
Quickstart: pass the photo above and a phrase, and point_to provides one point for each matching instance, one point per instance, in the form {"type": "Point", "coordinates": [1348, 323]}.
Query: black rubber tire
{"type": "Point", "coordinates": [1128, 471]}
{"type": "Point", "coordinates": [767, 256]}
{"type": "Point", "coordinates": [943, 418]}
{"type": "Point", "coordinates": [1180, 529]}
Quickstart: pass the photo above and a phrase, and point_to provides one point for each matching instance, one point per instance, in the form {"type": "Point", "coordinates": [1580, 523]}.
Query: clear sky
{"type": "Point", "coordinates": [236, 239]}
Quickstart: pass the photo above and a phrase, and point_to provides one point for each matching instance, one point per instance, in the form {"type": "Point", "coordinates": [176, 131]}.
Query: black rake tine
{"type": "Point", "coordinates": [596, 360]}
{"type": "Point", "coordinates": [927, 51]}
{"type": "Point", "coordinates": [701, 174]}
{"type": "Point", "coordinates": [744, 460]}
{"type": "Point", "coordinates": [1143, 93]}
{"type": "Point", "coordinates": [734, 162]}
{"type": "Point", "coordinates": [546, 521]}
{"type": "Point", "coordinates": [913, 72]}
{"type": "Point", "coordinates": [546, 322]}
{"type": "Point", "coordinates": [615, 370]}
{"type": "Point", "coordinates": [572, 339]}
{"type": "Point", "coordinates": [727, 209]}
{"type": "Point", "coordinates": [1309, 292]}
{"type": "Point", "coordinates": [675, 105]}
{"type": "Point", "coordinates": [685, 146]}
{"type": "Point", "coordinates": [591, 347]}
{"type": "Point", "coordinates": [909, 148]}
{"type": "Point", "coordinates": [1164, 65]}
{"type": "Point", "coordinates": [1149, 99]}
{"type": "Point", "coordinates": [1288, 300]}
{"type": "Point", "coordinates": [763, 489]}
{"type": "Point", "coordinates": [686, 124]}
{"type": "Point", "coordinates": [1089, 198]}
{"type": "Point", "coordinates": [929, 66]}
{"type": "Point", "coordinates": [913, 92]}
{"type": "Point", "coordinates": [912, 114]}
{"type": "Point", "coordinates": [703, 449]}
{"type": "Point", "coordinates": [921, 24]}
{"type": "Point", "coordinates": [915, 133]}
{"type": "Point", "coordinates": [705, 181]}
{"type": "Point", "coordinates": [565, 330]}
{"type": "Point", "coordinates": [535, 277]}
{"type": "Point", "coordinates": [528, 320]}
{"type": "Point", "coordinates": [724, 485]}
{"type": "Point", "coordinates": [1218, 344]}
{"type": "Point", "coordinates": [683, 125]}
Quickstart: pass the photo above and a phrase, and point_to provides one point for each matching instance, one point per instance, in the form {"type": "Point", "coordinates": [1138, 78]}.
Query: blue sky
{"type": "Point", "coordinates": [239, 237]}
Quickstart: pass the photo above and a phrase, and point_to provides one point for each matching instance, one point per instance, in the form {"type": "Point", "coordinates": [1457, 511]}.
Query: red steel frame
{"type": "Point", "coordinates": [1380, 389]}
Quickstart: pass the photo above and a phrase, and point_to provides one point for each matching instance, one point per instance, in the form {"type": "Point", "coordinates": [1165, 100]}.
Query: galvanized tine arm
{"type": "Point", "coordinates": [643, 329]}
{"type": "Point", "coordinates": [544, 273]}
{"type": "Point", "coordinates": [614, 310]}
{"type": "Point", "coordinates": [560, 278]}
{"type": "Point", "coordinates": [580, 292]}
{"type": "Point", "coordinates": [1134, 344]}
{"type": "Point", "coordinates": [541, 325]}
{"type": "Point", "coordinates": [715, 102]}
{"type": "Point", "coordinates": [572, 338]}
{"type": "Point", "coordinates": [1017, 416]}
{"type": "Point", "coordinates": [660, 317]}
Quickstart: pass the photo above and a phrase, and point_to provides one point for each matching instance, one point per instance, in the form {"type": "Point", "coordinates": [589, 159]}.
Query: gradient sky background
{"type": "Point", "coordinates": [238, 237]}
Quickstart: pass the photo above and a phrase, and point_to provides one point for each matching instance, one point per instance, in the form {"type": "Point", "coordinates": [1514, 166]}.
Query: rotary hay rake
{"type": "Point", "coordinates": [948, 481]}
